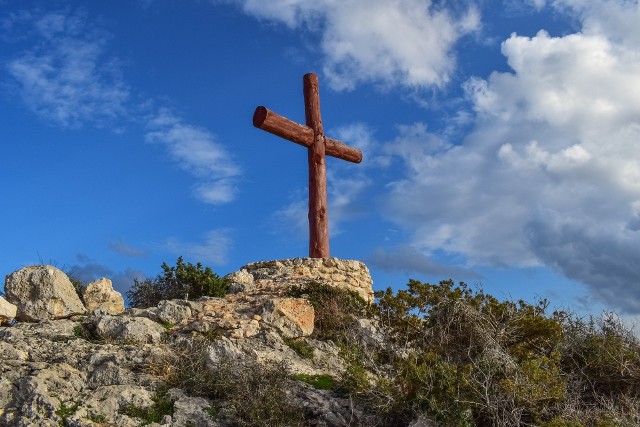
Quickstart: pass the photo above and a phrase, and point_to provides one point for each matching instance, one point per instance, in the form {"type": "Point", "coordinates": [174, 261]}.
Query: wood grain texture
{"type": "Point", "coordinates": [311, 135]}
{"type": "Point", "coordinates": [275, 124]}
{"type": "Point", "coordinates": [318, 213]}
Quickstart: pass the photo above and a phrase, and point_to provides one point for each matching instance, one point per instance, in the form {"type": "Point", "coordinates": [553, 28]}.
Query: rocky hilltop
{"type": "Point", "coordinates": [88, 361]}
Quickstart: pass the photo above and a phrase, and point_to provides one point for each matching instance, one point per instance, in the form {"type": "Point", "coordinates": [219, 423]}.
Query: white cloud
{"type": "Point", "coordinates": [550, 175]}
{"type": "Point", "coordinates": [65, 79]}
{"type": "Point", "coordinates": [214, 249]}
{"type": "Point", "coordinates": [361, 136]}
{"type": "Point", "coordinates": [346, 184]}
{"type": "Point", "coordinates": [196, 151]}
{"type": "Point", "coordinates": [410, 260]}
{"type": "Point", "coordinates": [344, 198]}
{"type": "Point", "coordinates": [403, 42]}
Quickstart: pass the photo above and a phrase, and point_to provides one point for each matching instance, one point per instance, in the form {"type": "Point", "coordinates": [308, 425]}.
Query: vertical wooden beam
{"type": "Point", "coordinates": [318, 218]}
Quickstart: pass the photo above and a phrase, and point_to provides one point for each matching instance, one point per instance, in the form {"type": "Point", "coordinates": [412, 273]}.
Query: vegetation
{"type": "Point", "coordinates": [249, 393]}
{"type": "Point", "coordinates": [300, 346]}
{"type": "Point", "coordinates": [162, 405]}
{"type": "Point", "coordinates": [463, 358]}
{"type": "Point", "coordinates": [184, 281]}
{"type": "Point", "coordinates": [443, 352]}
{"type": "Point", "coordinates": [320, 382]}
{"type": "Point", "coordinates": [336, 309]}
{"type": "Point", "coordinates": [66, 411]}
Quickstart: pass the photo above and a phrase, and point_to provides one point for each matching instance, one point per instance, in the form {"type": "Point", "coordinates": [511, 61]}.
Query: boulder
{"type": "Point", "coordinates": [99, 294]}
{"type": "Point", "coordinates": [173, 311]}
{"type": "Point", "coordinates": [293, 317]}
{"type": "Point", "coordinates": [42, 292]}
{"type": "Point", "coordinates": [125, 328]}
{"type": "Point", "coordinates": [7, 311]}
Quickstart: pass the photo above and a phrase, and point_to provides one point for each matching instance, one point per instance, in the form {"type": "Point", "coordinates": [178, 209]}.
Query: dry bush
{"type": "Point", "coordinates": [244, 392]}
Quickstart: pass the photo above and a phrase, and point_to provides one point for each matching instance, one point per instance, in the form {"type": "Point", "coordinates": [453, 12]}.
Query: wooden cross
{"type": "Point", "coordinates": [311, 136]}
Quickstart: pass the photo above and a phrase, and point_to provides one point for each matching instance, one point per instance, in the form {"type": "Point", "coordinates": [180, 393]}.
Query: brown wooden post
{"type": "Point", "coordinates": [318, 214]}
{"type": "Point", "coordinates": [311, 136]}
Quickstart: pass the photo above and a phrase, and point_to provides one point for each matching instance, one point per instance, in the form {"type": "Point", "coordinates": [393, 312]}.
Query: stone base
{"type": "Point", "coordinates": [345, 274]}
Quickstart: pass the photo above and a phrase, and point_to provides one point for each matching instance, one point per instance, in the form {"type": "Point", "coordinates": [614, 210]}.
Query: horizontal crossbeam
{"type": "Point", "coordinates": [271, 122]}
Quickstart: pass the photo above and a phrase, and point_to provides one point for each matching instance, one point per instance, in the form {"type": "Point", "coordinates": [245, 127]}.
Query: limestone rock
{"type": "Point", "coordinates": [42, 292]}
{"type": "Point", "coordinates": [188, 410]}
{"type": "Point", "coordinates": [173, 311]}
{"type": "Point", "coordinates": [98, 367]}
{"type": "Point", "coordinates": [240, 281]}
{"type": "Point", "coordinates": [7, 311]}
{"type": "Point", "coordinates": [125, 328]}
{"type": "Point", "coordinates": [99, 294]}
{"type": "Point", "coordinates": [293, 317]}
{"type": "Point", "coordinates": [223, 349]}
{"type": "Point", "coordinates": [240, 276]}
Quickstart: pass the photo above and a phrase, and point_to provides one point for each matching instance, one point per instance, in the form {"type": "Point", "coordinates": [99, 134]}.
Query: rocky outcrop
{"type": "Point", "coordinates": [292, 317]}
{"type": "Point", "coordinates": [345, 274]}
{"type": "Point", "coordinates": [125, 328]}
{"type": "Point", "coordinates": [88, 371]}
{"type": "Point", "coordinates": [42, 292]}
{"type": "Point", "coordinates": [7, 311]}
{"type": "Point", "coordinates": [99, 294]}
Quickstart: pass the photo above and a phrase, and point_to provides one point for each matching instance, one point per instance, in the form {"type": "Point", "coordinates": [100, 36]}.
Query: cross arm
{"type": "Point", "coordinates": [271, 122]}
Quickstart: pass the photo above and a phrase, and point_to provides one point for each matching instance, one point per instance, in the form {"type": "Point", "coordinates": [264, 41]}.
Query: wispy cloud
{"type": "Point", "coordinates": [409, 260]}
{"type": "Point", "coordinates": [550, 173]}
{"type": "Point", "coordinates": [406, 43]}
{"type": "Point", "coordinates": [67, 78]}
{"type": "Point", "coordinates": [346, 184]}
{"type": "Point", "coordinates": [126, 250]}
{"type": "Point", "coordinates": [214, 249]}
{"type": "Point", "coordinates": [196, 151]}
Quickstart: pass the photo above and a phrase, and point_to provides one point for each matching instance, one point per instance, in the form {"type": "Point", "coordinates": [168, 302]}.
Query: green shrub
{"type": "Point", "coordinates": [451, 354]}
{"type": "Point", "coordinates": [184, 281]}
{"type": "Point", "coordinates": [336, 309]}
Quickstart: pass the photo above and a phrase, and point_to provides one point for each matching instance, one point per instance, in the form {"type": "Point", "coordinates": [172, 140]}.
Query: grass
{"type": "Point", "coordinates": [319, 382]}
{"type": "Point", "coordinates": [97, 418]}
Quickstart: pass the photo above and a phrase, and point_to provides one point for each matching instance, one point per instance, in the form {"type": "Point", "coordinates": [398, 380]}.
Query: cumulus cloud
{"type": "Point", "coordinates": [550, 174]}
{"type": "Point", "coordinates": [601, 256]}
{"type": "Point", "coordinates": [214, 249]}
{"type": "Point", "coordinates": [408, 43]}
{"type": "Point", "coordinates": [67, 78]}
{"type": "Point", "coordinates": [196, 151]}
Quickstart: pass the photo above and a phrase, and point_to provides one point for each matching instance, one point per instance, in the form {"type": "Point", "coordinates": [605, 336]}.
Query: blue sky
{"type": "Point", "coordinates": [500, 139]}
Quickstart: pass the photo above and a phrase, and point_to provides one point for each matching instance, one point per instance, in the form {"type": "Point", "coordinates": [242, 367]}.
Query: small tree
{"type": "Point", "coordinates": [184, 281]}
